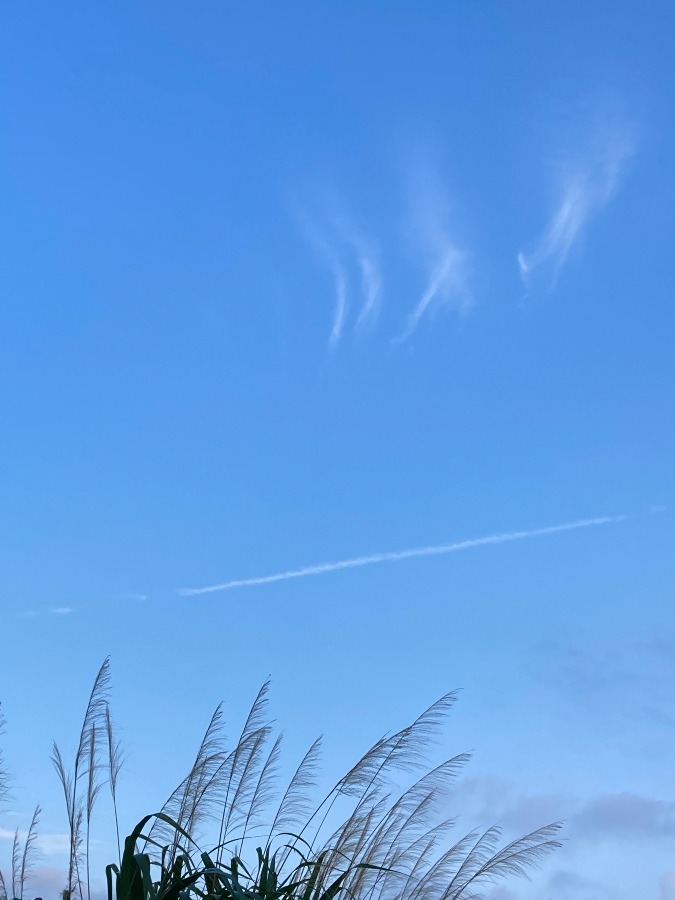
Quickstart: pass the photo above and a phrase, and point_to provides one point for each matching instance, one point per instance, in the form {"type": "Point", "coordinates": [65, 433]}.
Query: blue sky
{"type": "Point", "coordinates": [286, 284]}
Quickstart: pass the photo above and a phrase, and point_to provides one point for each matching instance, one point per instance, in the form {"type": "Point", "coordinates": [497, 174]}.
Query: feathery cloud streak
{"type": "Point", "coordinates": [446, 282]}
{"type": "Point", "coordinates": [328, 257]}
{"type": "Point", "coordinates": [367, 260]}
{"type": "Point", "coordinates": [399, 555]}
{"type": "Point", "coordinates": [340, 246]}
{"type": "Point", "coordinates": [585, 189]}
{"type": "Point", "coordinates": [47, 843]}
{"type": "Point", "coordinates": [447, 273]}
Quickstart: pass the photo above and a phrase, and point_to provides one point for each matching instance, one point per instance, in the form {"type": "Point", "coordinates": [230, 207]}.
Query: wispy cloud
{"type": "Point", "coordinates": [446, 283]}
{"type": "Point", "coordinates": [341, 247]}
{"type": "Point", "coordinates": [399, 555]}
{"type": "Point", "coordinates": [366, 255]}
{"type": "Point", "coordinates": [627, 815]}
{"type": "Point", "coordinates": [327, 256]}
{"type": "Point", "coordinates": [371, 282]}
{"type": "Point", "coordinates": [55, 611]}
{"type": "Point", "coordinates": [585, 185]}
{"type": "Point", "coordinates": [445, 261]}
{"type": "Point", "coordinates": [48, 844]}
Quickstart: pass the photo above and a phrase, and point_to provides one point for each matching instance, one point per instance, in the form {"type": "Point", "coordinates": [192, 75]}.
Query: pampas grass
{"type": "Point", "coordinates": [382, 831]}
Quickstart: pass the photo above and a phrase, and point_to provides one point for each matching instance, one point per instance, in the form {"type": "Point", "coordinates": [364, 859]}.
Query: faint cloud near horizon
{"type": "Point", "coordinates": [568, 885]}
{"type": "Point", "coordinates": [627, 815]}
{"type": "Point", "coordinates": [586, 182]}
{"type": "Point", "coordinates": [612, 820]}
{"type": "Point", "coordinates": [667, 886]}
{"type": "Point", "coordinates": [48, 844]}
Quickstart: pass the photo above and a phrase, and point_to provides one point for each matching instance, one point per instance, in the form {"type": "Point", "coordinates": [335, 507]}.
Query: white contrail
{"type": "Point", "coordinates": [395, 556]}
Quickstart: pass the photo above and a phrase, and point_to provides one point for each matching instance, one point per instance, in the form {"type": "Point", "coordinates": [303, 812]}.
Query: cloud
{"type": "Point", "coordinates": [602, 835]}
{"type": "Point", "coordinates": [445, 261]}
{"type": "Point", "coordinates": [340, 246]}
{"type": "Point", "coordinates": [486, 799]}
{"type": "Point", "coordinates": [328, 257]}
{"type": "Point", "coordinates": [398, 555]}
{"type": "Point", "coordinates": [47, 881]}
{"type": "Point", "coordinates": [47, 844]}
{"type": "Point", "coordinates": [56, 611]}
{"type": "Point", "coordinates": [585, 186]}
{"type": "Point", "coordinates": [566, 885]}
{"type": "Point", "coordinates": [446, 283]}
{"type": "Point", "coordinates": [366, 255]}
{"type": "Point", "coordinates": [667, 886]}
{"type": "Point", "coordinates": [626, 815]}
{"type": "Point", "coordinates": [53, 844]}
{"type": "Point", "coordinates": [371, 280]}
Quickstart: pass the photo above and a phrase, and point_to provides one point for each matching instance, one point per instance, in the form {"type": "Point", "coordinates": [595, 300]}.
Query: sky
{"type": "Point", "coordinates": [359, 315]}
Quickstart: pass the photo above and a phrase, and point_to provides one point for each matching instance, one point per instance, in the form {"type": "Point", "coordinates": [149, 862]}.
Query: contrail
{"type": "Point", "coordinates": [397, 555]}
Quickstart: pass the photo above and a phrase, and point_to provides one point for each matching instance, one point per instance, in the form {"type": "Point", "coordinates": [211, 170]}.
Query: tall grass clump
{"type": "Point", "coordinates": [96, 763]}
{"type": "Point", "coordinates": [231, 830]}
{"type": "Point", "coordinates": [24, 849]}
{"type": "Point", "coordinates": [380, 833]}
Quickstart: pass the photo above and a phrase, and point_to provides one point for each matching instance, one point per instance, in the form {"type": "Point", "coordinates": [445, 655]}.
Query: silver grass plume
{"type": "Point", "coordinates": [115, 760]}
{"type": "Point", "coordinates": [238, 772]}
{"type": "Point", "coordinates": [4, 774]}
{"type": "Point", "coordinates": [16, 864]}
{"type": "Point", "coordinates": [190, 803]}
{"type": "Point", "coordinates": [30, 855]}
{"type": "Point", "coordinates": [79, 802]}
{"type": "Point", "coordinates": [392, 844]}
